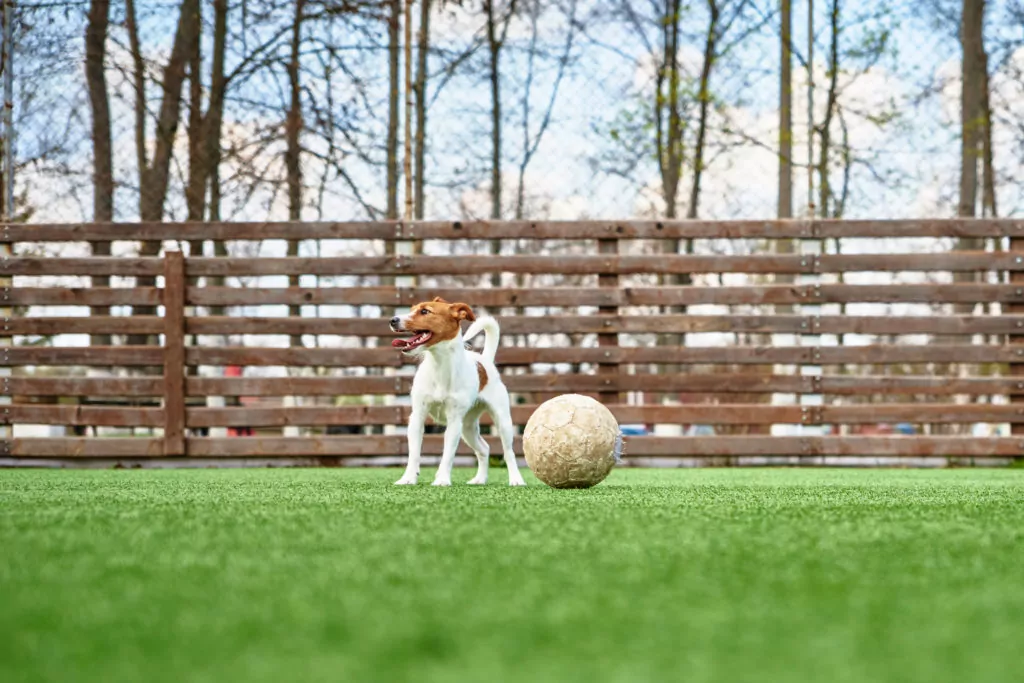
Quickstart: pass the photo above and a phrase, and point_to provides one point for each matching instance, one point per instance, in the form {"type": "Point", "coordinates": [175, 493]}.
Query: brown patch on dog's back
{"type": "Point", "coordinates": [481, 373]}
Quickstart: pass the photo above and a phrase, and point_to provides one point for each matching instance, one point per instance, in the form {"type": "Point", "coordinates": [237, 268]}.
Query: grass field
{"type": "Point", "coordinates": [334, 575]}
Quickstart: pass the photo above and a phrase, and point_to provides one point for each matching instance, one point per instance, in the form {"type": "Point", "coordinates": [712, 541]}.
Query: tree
{"type": "Point", "coordinates": [532, 140]}
{"type": "Point", "coordinates": [154, 176]}
{"type": "Point", "coordinates": [825, 129]}
{"type": "Point", "coordinates": [420, 90]}
{"type": "Point", "coordinates": [785, 203]}
{"type": "Point", "coordinates": [972, 113]}
{"type": "Point", "coordinates": [293, 150]}
{"type": "Point", "coordinates": [498, 22]}
{"type": "Point", "coordinates": [704, 103]}
{"type": "Point", "coordinates": [973, 124]}
{"type": "Point", "coordinates": [394, 93]}
{"type": "Point", "coordinates": [103, 161]}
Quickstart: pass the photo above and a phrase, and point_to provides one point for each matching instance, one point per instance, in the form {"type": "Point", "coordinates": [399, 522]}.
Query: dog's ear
{"type": "Point", "coordinates": [439, 300]}
{"type": "Point", "coordinates": [462, 312]}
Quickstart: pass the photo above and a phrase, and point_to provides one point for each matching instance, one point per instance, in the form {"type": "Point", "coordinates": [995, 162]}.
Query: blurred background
{"type": "Point", "coordinates": [561, 109]}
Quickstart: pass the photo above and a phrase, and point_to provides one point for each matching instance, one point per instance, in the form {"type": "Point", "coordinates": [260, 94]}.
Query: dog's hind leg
{"type": "Point", "coordinates": [471, 435]}
{"type": "Point", "coordinates": [451, 442]}
{"type": "Point", "coordinates": [503, 420]}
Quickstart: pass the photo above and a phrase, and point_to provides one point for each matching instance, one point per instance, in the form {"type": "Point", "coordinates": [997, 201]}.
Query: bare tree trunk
{"type": "Point", "coordinates": [972, 119]}
{"type": "Point", "coordinates": [669, 138]}
{"type": "Point", "coordinates": [669, 146]}
{"type": "Point", "coordinates": [785, 208]}
{"type": "Point", "coordinates": [410, 202]}
{"type": "Point", "coordinates": [494, 45]}
{"type": "Point", "coordinates": [422, 55]}
{"type": "Point", "coordinates": [292, 155]}
{"type": "Point", "coordinates": [394, 57]}
{"type": "Point", "coordinates": [988, 197]}
{"type": "Point", "coordinates": [212, 128]}
{"type": "Point", "coordinates": [155, 176]}
{"type": "Point", "coordinates": [785, 199]}
{"type": "Point", "coordinates": [971, 113]}
{"type": "Point", "coordinates": [195, 188]}
{"type": "Point", "coordinates": [972, 136]}
{"type": "Point", "coordinates": [704, 95]}
{"type": "Point", "coordinates": [825, 131]}
{"type": "Point", "coordinates": [139, 81]}
{"type": "Point", "coordinates": [103, 161]}
{"type": "Point", "coordinates": [495, 42]}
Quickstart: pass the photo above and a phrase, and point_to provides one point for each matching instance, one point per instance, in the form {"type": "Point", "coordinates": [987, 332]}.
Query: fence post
{"type": "Point", "coordinates": [174, 353]}
{"type": "Point", "coordinates": [6, 210]}
{"type": "Point", "coordinates": [1017, 341]}
{"type": "Point", "coordinates": [606, 341]}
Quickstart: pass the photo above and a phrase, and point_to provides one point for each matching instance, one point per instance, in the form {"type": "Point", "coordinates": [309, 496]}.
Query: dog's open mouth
{"type": "Point", "coordinates": [406, 345]}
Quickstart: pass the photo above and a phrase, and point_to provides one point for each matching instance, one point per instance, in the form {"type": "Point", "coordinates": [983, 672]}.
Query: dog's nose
{"type": "Point", "coordinates": [395, 321]}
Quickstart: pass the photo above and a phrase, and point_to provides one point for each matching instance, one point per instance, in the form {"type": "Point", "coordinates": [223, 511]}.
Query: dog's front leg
{"type": "Point", "coordinates": [415, 435]}
{"type": "Point", "coordinates": [452, 433]}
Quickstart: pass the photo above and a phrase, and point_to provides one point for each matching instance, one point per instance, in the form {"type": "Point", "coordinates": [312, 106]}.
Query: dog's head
{"type": "Point", "coordinates": [431, 322]}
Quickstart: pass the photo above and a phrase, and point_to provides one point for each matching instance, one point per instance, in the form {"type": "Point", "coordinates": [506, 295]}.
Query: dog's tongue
{"type": "Point", "coordinates": [418, 339]}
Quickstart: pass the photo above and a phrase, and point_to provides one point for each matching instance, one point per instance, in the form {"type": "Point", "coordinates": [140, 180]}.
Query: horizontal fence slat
{"type": "Point", "coordinates": [127, 356]}
{"type": "Point", "coordinates": [77, 447]}
{"type": "Point", "coordinates": [87, 325]}
{"type": "Point", "coordinates": [638, 446]}
{"type": "Point", "coordinates": [85, 265]}
{"type": "Point", "coordinates": [596, 264]}
{"type": "Point", "coordinates": [635, 324]}
{"type": "Point", "coordinates": [100, 416]}
{"type": "Point", "coordinates": [518, 356]}
{"type": "Point", "coordinates": [625, 414]}
{"type": "Point", "coordinates": [338, 446]}
{"type": "Point", "coordinates": [880, 354]}
{"type": "Point", "coordinates": [851, 446]}
{"type": "Point", "coordinates": [80, 296]}
{"type": "Point", "coordinates": [337, 386]}
{"type": "Point", "coordinates": [591, 296]}
{"type": "Point", "coordinates": [399, 415]}
{"type": "Point", "coordinates": [552, 382]}
{"type": "Point", "coordinates": [552, 296]}
{"type": "Point", "coordinates": [905, 386]}
{"type": "Point", "coordinates": [921, 412]}
{"type": "Point", "coordinates": [654, 383]}
{"type": "Point", "coordinates": [394, 230]}
{"type": "Point", "coordinates": [481, 265]}
{"type": "Point", "coordinates": [564, 324]}
{"type": "Point", "coordinates": [85, 386]}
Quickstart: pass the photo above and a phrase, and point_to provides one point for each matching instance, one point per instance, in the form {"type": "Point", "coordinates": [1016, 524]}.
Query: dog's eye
{"type": "Point", "coordinates": [424, 311]}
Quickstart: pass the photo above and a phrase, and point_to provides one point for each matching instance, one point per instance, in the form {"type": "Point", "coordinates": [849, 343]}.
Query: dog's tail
{"type": "Point", "coordinates": [489, 326]}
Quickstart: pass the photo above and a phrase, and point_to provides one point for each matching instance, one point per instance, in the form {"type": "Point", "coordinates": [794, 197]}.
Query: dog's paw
{"type": "Point", "coordinates": [477, 481]}
{"type": "Point", "coordinates": [441, 482]}
{"type": "Point", "coordinates": [516, 482]}
{"type": "Point", "coordinates": [406, 481]}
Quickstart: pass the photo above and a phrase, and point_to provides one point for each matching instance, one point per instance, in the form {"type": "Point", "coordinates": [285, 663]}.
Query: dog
{"type": "Point", "coordinates": [454, 386]}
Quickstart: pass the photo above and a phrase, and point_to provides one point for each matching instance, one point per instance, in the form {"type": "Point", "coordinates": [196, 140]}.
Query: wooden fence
{"type": "Point", "coordinates": [601, 315]}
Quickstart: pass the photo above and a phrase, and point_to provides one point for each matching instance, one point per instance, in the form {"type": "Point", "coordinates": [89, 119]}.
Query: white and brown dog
{"type": "Point", "coordinates": [454, 386]}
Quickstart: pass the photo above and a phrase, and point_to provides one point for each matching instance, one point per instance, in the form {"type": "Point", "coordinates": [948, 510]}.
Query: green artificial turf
{"type": "Point", "coordinates": [677, 575]}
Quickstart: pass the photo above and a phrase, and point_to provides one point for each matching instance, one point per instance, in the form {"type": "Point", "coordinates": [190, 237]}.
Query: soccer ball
{"type": "Point", "coordinates": [572, 441]}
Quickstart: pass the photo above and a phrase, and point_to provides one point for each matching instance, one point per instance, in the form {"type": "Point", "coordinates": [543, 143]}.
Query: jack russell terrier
{"type": "Point", "coordinates": [454, 386]}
